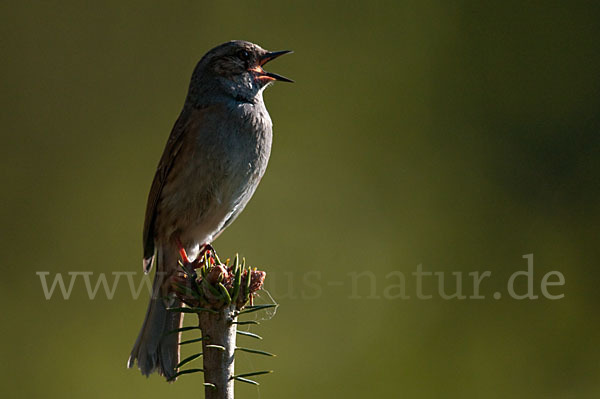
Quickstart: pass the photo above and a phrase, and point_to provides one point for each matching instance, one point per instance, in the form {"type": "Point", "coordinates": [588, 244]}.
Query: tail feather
{"type": "Point", "coordinates": [154, 350]}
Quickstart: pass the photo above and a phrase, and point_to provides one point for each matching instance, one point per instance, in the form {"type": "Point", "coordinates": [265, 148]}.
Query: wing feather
{"type": "Point", "coordinates": [187, 120]}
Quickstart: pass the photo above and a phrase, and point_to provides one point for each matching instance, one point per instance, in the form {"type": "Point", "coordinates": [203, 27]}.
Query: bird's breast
{"type": "Point", "coordinates": [218, 169]}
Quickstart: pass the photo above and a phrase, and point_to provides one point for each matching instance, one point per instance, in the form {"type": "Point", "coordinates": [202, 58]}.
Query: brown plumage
{"type": "Point", "coordinates": [212, 163]}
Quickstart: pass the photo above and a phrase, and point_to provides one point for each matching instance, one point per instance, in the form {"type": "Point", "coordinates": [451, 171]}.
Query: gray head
{"type": "Point", "coordinates": [233, 70]}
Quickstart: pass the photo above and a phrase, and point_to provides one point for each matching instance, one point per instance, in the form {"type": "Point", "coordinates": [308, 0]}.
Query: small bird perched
{"type": "Point", "coordinates": [212, 163]}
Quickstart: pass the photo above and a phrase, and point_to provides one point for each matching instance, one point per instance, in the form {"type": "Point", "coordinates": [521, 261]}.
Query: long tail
{"type": "Point", "coordinates": [154, 349]}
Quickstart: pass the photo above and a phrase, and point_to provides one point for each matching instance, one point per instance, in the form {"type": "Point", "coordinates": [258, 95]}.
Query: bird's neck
{"type": "Point", "coordinates": [221, 90]}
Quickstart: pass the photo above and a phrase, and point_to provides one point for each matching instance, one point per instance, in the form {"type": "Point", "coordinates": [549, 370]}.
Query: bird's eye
{"type": "Point", "coordinates": [243, 55]}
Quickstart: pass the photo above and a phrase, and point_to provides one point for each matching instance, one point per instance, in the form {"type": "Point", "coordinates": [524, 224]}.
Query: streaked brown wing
{"type": "Point", "coordinates": [188, 120]}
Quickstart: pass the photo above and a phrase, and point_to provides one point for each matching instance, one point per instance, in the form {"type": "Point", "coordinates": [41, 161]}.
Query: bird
{"type": "Point", "coordinates": [213, 160]}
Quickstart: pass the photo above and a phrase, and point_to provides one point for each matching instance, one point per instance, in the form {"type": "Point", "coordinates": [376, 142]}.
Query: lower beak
{"type": "Point", "coordinates": [262, 74]}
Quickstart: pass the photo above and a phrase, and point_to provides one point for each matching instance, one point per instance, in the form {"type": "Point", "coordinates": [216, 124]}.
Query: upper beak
{"type": "Point", "coordinates": [270, 75]}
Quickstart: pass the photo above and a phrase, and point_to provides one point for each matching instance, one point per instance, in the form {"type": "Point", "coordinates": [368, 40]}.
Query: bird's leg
{"type": "Point", "coordinates": [206, 248]}
{"type": "Point", "coordinates": [188, 266]}
{"type": "Point", "coordinates": [182, 252]}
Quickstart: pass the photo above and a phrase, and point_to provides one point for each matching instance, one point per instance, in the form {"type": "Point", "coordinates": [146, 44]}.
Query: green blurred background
{"type": "Point", "coordinates": [456, 135]}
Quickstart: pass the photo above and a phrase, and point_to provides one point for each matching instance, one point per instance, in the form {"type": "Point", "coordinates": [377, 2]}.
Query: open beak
{"type": "Point", "coordinates": [262, 74]}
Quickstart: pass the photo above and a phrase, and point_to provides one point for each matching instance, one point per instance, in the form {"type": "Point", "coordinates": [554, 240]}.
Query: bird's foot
{"type": "Point", "coordinates": [207, 249]}
{"type": "Point", "coordinates": [183, 253]}
{"type": "Point", "coordinates": [206, 252]}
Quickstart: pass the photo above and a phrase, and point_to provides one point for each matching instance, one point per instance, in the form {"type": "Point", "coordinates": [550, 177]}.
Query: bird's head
{"type": "Point", "coordinates": [235, 69]}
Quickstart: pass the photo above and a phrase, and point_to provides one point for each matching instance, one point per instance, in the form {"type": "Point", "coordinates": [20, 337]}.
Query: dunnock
{"type": "Point", "coordinates": [213, 161]}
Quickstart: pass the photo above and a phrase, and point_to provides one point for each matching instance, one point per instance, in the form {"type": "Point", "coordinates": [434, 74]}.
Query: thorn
{"type": "Point", "coordinates": [253, 373]}
{"type": "Point", "coordinates": [188, 359]}
{"type": "Point", "coordinates": [250, 309]}
{"type": "Point", "coordinates": [247, 381]}
{"type": "Point", "coordinates": [255, 351]}
{"type": "Point", "coordinates": [249, 334]}
{"type": "Point", "coordinates": [219, 347]}
{"type": "Point", "coordinates": [208, 384]}
{"type": "Point", "coordinates": [182, 329]}
{"type": "Point", "coordinates": [191, 341]}
{"type": "Point", "coordinates": [186, 372]}
{"type": "Point", "coordinates": [224, 293]}
{"type": "Point", "coordinates": [240, 323]}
